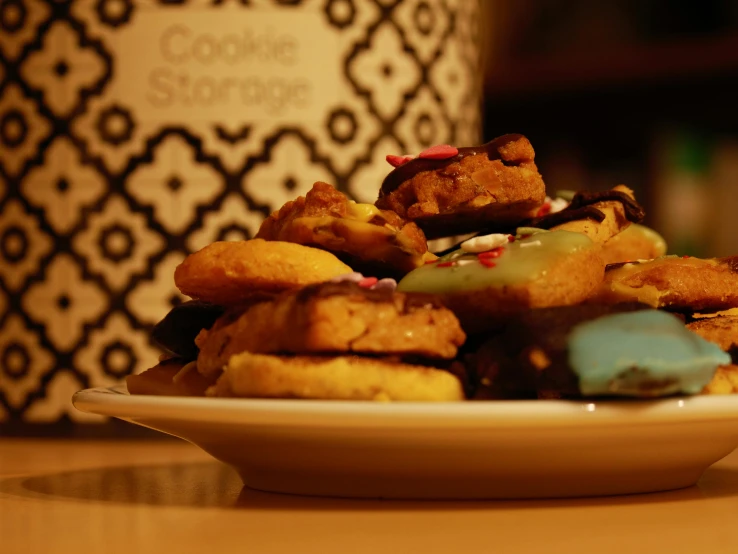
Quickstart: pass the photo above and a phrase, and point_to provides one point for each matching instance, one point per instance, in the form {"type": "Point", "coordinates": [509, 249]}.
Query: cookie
{"type": "Point", "coordinates": [594, 350]}
{"type": "Point", "coordinates": [730, 312]}
{"type": "Point", "coordinates": [493, 276]}
{"type": "Point", "coordinates": [601, 216]}
{"type": "Point", "coordinates": [176, 333]}
{"type": "Point", "coordinates": [334, 378]}
{"type": "Point", "coordinates": [637, 242]}
{"type": "Point", "coordinates": [683, 284]}
{"type": "Point", "coordinates": [598, 215]}
{"type": "Point", "coordinates": [722, 330]}
{"type": "Point", "coordinates": [725, 381]}
{"type": "Point", "coordinates": [335, 318]}
{"type": "Point", "coordinates": [453, 191]}
{"type": "Point", "coordinates": [372, 241]}
{"type": "Point", "coordinates": [225, 273]}
{"type": "Point", "coordinates": [169, 378]}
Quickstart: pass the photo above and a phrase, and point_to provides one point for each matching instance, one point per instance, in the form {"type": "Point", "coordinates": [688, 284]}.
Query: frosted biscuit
{"type": "Point", "coordinates": [334, 378]}
{"type": "Point", "coordinates": [683, 284]}
{"type": "Point", "coordinates": [594, 350]}
{"type": "Point", "coordinates": [335, 318]}
{"type": "Point", "coordinates": [492, 276]}
{"type": "Point", "coordinates": [225, 273]}
{"type": "Point", "coordinates": [372, 241]}
{"type": "Point", "coordinates": [452, 191]}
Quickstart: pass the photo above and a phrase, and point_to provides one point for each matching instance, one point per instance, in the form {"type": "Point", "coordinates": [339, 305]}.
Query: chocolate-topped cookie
{"type": "Point", "coordinates": [451, 191]}
{"type": "Point", "coordinates": [599, 215]}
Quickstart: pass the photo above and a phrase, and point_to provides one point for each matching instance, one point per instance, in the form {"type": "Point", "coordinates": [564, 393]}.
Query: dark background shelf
{"type": "Point", "coordinates": [641, 93]}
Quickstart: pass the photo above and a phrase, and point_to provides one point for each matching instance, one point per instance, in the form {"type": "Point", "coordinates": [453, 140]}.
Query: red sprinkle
{"type": "Point", "coordinates": [494, 253]}
{"type": "Point", "coordinates": [544, 210]}
{"type": "Point", "coordinates": [685, 257]}
{"type": "Point", "coordinates": [368, 282]}
{"type": "Point", "coordinates": [510, 238]}
{"type": "Point", "coordinates": [486, 262]}
{"type": "Point", "coordinates": [445, 264]}
{"type": "Point", "coordinates": [397, 161]}
{"type": "Point", "coordinates": [439, 152]}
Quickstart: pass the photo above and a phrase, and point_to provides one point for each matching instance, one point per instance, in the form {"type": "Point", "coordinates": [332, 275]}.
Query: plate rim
{"type": "Point", "coordinates": [116, 402]}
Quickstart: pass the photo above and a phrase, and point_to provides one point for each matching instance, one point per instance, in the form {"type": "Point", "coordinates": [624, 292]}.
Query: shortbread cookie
{"type": "Point", "coordinates": [334, 378]}
{"type": "Point", "coordinates": [722, 330]}
{"type": "Point", "coordinates": [682, 284]}
{"type": "Point", "coordinates": [225, 273]}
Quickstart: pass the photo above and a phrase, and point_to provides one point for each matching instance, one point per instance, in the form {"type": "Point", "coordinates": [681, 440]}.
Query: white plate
{"type": "Point", "coordinates": [514, 449]}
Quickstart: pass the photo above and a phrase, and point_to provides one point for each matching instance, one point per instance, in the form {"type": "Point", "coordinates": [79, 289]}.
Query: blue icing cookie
{"type": "Point", "coordinates": [641, 353]}
{"type": "Point", "coordinates": [593, 350]}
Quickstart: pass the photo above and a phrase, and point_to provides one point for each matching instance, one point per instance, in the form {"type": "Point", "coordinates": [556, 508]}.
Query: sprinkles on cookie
{"type": "Point", "coordinates": [438, 152]}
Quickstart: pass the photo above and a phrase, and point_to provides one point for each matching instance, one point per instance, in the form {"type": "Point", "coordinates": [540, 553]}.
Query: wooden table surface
{"type": "Point", "coordinates": [62, 496]}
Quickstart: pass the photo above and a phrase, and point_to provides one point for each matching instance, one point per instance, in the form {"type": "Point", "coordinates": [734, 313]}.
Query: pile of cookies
{"type": "Point", "coordinates": [539, 297]}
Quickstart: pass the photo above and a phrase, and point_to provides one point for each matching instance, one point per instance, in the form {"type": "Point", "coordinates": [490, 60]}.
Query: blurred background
{"type": "Point", "coordinates": [133, 132]}
{"type": "Point", "coordinates": [638, 92]}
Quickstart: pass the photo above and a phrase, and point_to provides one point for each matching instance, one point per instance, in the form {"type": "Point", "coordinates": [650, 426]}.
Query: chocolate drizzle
{"type": "Point", "coordinates": [418, 165]}
{"type": "Point", "coordinates": [633, 210]}
{"type": "Point", "coordinates": [581, 208]}
{"type": "Point", "coordinates": [565, 216]}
